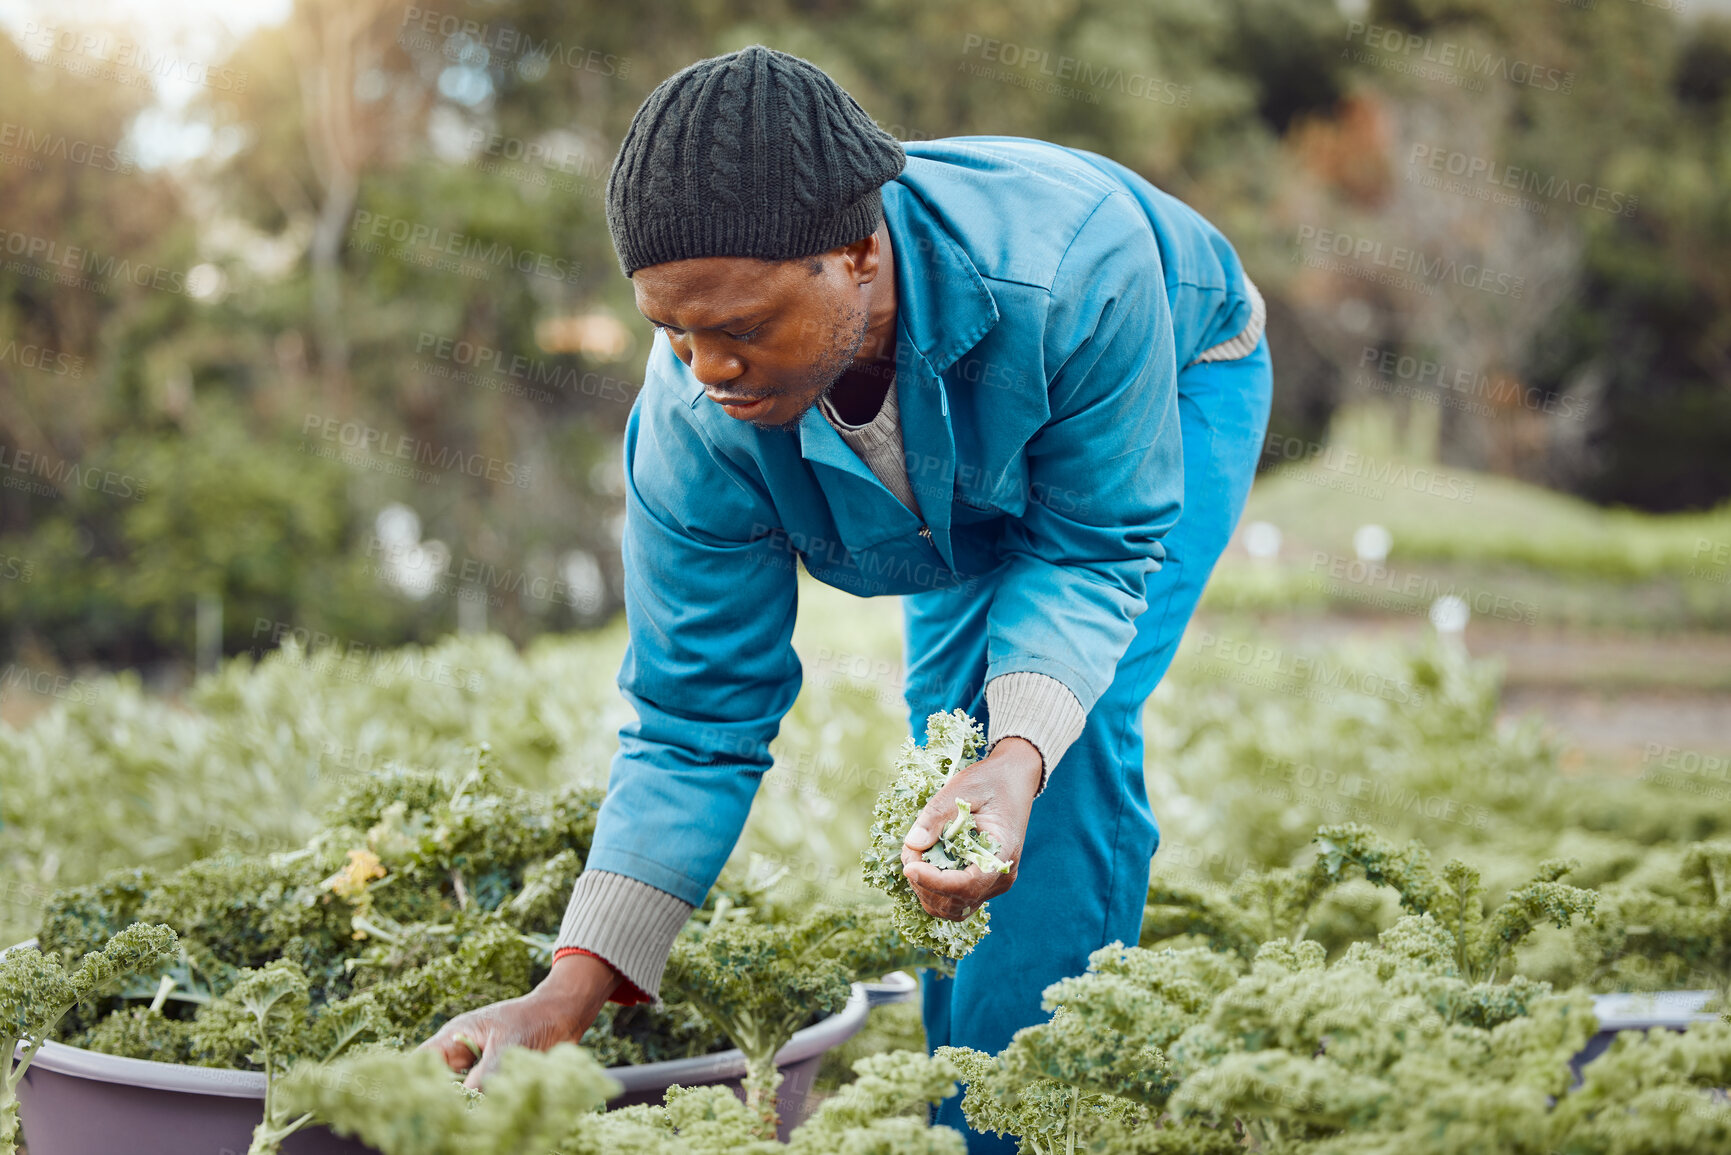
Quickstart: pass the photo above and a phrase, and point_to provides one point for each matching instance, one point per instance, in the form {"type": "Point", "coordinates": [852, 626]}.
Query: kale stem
{"type": "Point", "coordinates": [9, 1126]}
{"type": "Point", "coordinates": [366, 925]}
{"type": "Point", "coordinates": [14, 1072]}
{"type": "Point", "coordinates": [469, 779]}
{"type": "Point", "coordinates": [267, 1137]}
{"type": "Point", "coordinates": [1461, 899]}
{"type": "Point", "coordinates": [762, 1080]}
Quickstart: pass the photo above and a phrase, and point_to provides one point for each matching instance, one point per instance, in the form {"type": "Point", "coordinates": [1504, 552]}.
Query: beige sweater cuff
{"type": "Point", "coordinates": [628, 923]}
{"type": "Point", "coordinates": [1038, 708]}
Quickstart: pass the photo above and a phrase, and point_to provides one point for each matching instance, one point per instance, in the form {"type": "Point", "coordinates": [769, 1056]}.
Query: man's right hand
{"type": "Point", "coordinates": [557, 1011]}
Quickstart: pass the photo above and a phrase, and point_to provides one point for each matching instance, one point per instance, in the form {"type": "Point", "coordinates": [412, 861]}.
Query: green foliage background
{"type": "Point", "coordinates": [1267, 115]}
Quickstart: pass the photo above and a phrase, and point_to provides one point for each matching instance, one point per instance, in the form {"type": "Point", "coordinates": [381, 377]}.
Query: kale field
{"type": "Point", "coordinates": [1381, 905]}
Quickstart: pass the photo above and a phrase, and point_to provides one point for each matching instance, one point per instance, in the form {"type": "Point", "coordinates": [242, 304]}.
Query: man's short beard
{"type": "Point", "coordinates": [830, 366]}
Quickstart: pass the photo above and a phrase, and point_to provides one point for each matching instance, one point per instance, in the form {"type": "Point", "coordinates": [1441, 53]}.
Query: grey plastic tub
{"type": "Point", "coordinates": [78, 1102]}
{"type": "Point", "coordinates": [1673, 1010]}
{"type": "Point", "coordinates": [899, 987]}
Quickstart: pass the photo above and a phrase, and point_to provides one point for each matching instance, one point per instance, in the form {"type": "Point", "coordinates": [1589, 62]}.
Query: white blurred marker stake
{"type": "Point", "coordinates": [1372, 543]}
{"type": "Point", "coordinates": [1262, 540]}
{"type": "Point", "coordinates": [472, 610]}
{"type": "Point", "coordinates": [207, 631]}
{"type": "Point", "coordinates": [1450, 614]}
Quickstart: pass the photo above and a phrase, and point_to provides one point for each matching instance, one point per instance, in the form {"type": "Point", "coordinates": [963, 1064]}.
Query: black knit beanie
{"type": "Point", "coordinates": [752, 154]}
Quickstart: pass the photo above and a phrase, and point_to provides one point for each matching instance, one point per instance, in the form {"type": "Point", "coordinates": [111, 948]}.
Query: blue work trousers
{"type": "Point", "coordinates": [1083, 878]}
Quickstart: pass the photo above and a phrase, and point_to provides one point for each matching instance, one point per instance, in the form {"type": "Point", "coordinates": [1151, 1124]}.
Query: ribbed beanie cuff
{"type": "Point", "coordinates": [772, 236]}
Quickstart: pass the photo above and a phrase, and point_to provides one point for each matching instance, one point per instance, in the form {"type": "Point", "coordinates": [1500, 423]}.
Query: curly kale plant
{"type": "Point", "coordinates": [425, 894]}
{"type": "Point", "coordinates": [953, 740]}
{"type": "Point", "coordinates": [882, 1112]}
{"type": "Point", "coordinates": [265, 1015]}
{"type": "Point", "coordinates": [1384, 1050]}
{"type": "Point", "coordinates": [1390, 1049]}
{"type": "Point", "coordinates": [36, 991]}
{"type": "Point", "coordinates": [1669, 931]}
{"type": "Point", "coordinates": [409, 1104]}
{"type": "Point", "coordinates": [1415, 1042]}
{"type": "Point", "coordinates": [1268, 905]}
{"type": "Point", "coordinates": [1455, 896]}
{"type": "Point", "coordinates": [1094, 1076]}
{"type": "Point", "coordinates": [761, 982]}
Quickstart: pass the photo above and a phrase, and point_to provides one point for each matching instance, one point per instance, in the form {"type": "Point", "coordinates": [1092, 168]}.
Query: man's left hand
{"type": "Point", "coordinates": [999, 789]}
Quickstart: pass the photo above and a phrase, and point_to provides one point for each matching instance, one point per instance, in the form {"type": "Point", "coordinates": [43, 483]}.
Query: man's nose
{"type": "Point", "coordinates": [713, 366]}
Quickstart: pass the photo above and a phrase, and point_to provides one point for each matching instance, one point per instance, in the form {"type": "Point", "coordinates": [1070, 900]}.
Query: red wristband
{"type": "Point", "coordinates": [626, 994]}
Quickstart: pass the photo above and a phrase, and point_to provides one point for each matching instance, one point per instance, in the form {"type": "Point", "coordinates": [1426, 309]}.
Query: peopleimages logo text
{"type": "Point", "coordinates": [359, 436]}
{"type": "Point", "coordinates": [1502, 392]}
{"type": "Point", "coordinates": [1397, 258]}
{"type": "Point", "coordinates": [59, 146]}
{"type": "Point", "coordinates": [1068, 69]}
{"type": "Point", "coordinates": [499, 254]}
{"type": "Point", "coordinates": [95, 53]}
{"type": "Point", "coordinates": [62, 475]}
{"type": "Point", "coordinates": [490, 360]}
{"type": "Point", "coordinates": [45, 360]}
{"type": "Point", "coordinates": [1484, 169]}
{"type": "Point", "coordinates": [512, 42]}
{"type": "Point", "coordinates": [1462, 58]}
{"type": "Point", "coordinates": [79, 267]}
{"type": "Point", "coordinates": [1373, 470]}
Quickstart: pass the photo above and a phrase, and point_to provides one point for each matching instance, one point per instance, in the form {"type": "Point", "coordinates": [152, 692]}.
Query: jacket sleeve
{"type": "Point", "coordinates": [710, 593]}
{"type": "Point", "coordinates": [1105, 472]}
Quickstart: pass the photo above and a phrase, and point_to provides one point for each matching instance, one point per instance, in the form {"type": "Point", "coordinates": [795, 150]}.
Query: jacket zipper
{"type": "Point", "coordinates": [926, 532]}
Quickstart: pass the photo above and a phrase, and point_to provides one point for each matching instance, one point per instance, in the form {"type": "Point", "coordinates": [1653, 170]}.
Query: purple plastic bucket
{"type": "Point", "coordinates": [78, 1102]}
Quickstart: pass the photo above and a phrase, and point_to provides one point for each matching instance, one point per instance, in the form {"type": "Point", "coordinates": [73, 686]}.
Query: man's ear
{"type": "Point", "coordinates": [863, 255]}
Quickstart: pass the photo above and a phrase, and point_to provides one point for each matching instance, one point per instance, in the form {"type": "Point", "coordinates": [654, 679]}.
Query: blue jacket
{"type": "Point", "coordinates": [1046, 299]}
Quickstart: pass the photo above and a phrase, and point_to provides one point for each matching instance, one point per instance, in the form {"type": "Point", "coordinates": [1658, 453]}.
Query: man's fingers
{"type": "Point", "coordinates": [957, 893]}
{"type": "Point", "coordinates": [920, 838]}
{"type": "Point", "coordinates": [450, 1045]}
{"type": "Point", "coordinates": [954, 894]}
{"type": "Point", "coordinates": [970, 883]}
{"type": "Point", "coordinates": [483, 1070]}
{"type": "Point", "coordinates": [941, 807]}
{"type": "Point", "coordinates": [951, 894]}
{"type": "Point", "coordinates": [954, 910]}
{"type": "Point", "coordinates": [952, 883]}
{"type": "Point", "coordinates": [924, 832]}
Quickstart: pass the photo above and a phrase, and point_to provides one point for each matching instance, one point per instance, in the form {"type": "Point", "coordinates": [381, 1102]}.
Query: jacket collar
{"type": "Point", "coordinates": [942, 304]}
{"type": "Point", "coordinates": [943, 309]}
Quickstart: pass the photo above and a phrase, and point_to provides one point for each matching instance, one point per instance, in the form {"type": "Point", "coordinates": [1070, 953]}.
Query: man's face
{"type": "Point", "coordinates": [766, 338]}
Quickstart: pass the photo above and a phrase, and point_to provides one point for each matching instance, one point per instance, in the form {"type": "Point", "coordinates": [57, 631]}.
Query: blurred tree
{"type": "Point", "coordinates": [215, 511]}
{"type": "Point", "coordinates": [338, 48]}
{"type": "Point", "coordinates": [77, 219]}
{"type": "Point", "coordinates": [1651, 327]}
